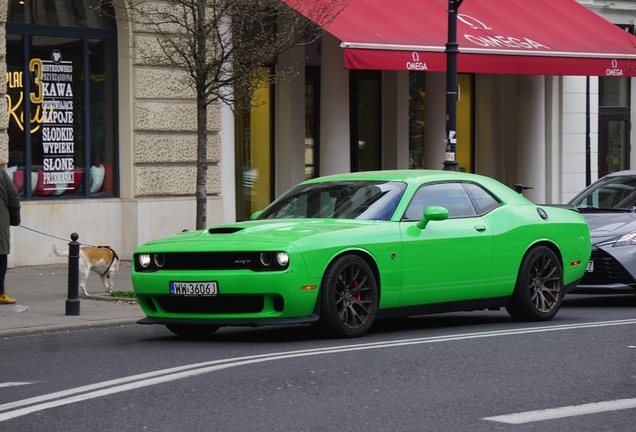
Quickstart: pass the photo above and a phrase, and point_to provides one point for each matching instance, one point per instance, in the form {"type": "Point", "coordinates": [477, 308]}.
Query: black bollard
{"type": "Point", "coordinates": [73, 302]}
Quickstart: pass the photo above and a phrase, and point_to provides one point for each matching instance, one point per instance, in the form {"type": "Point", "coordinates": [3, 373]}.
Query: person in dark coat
{"type": "Point", "coordinates": [9, 215]}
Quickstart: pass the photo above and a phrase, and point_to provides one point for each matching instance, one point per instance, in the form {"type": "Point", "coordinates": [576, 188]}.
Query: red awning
{"type": "Point", "coordinates": [533, 37]}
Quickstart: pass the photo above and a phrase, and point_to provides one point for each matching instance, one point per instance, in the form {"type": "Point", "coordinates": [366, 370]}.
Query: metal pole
{"type": "Point", "coordinates": [452, 49]}
{"type": "Point", "coordinates": [73, 302]}
{"type": "Point", "coordinates": [588, 143]}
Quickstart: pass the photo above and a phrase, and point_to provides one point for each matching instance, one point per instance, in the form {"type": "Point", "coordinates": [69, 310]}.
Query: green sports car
{"type": "Point", "coordinates": [342, 251]}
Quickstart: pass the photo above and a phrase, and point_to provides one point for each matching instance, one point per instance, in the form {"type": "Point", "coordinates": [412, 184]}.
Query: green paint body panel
{"type": "Point", "coordinates": [450, 260]}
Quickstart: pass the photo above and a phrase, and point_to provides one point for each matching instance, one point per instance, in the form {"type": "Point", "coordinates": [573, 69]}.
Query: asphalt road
{"type": "Point", "coordinates": [476, 371]}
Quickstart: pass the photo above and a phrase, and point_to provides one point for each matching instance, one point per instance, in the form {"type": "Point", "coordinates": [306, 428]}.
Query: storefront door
{"type": "Point", "coordinates": [614, 125]}
{"type": "Point", "coordinates": [613, 140]}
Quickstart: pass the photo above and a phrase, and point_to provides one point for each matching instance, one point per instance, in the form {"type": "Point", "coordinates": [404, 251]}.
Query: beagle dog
{"type": "Point", "coordinates": [101, 259]}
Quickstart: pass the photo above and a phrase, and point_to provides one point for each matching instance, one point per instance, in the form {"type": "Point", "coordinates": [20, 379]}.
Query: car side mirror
{"type": "Point", "coordinates": [256, 214]}
{"type": "Point", "coordinates": [432, 213]}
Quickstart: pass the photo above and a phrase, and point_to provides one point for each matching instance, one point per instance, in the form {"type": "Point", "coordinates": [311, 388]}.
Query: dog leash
{"type": "Point", "coordinates": [50, 235]}
{"type": "Point", "coordinates": [111, 261]}
{"type": "Point", "coordinates": [83, 244]}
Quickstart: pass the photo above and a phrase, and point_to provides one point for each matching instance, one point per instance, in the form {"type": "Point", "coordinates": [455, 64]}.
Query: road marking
{"type": "Point", "coordinates": [14, 384]}
{"type": "Point", "coordinates": [568, 411]}
{"type": "Point", "coordinates": [92, 391]}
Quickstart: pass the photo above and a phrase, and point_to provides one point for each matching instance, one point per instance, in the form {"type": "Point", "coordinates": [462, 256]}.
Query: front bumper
{"type": "Point", "coordinates": [244, 297]}
{"type": "Point", "coordinates": [613, 272]}
{"type": "Point", "coordinates": [254, 322]}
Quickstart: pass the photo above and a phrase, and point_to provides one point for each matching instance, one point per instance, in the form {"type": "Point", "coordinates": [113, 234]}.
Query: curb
{"type": "Point", "coordinates": [108, 297]}
{"type": "Point", "coordinates": [58, 328]}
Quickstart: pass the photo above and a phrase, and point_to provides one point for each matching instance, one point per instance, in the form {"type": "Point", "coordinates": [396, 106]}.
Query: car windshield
{"type": "Point", "coordinates": [363, 200]}
{"type": "Point", "coordinates": [610, 193]}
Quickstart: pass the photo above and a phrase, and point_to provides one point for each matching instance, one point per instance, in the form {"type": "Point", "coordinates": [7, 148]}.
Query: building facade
{"type": "Point", "coordinates": [113, 157]}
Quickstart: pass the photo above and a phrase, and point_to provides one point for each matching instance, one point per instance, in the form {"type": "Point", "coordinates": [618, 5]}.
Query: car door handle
{"type": "Point", "coordinates": [480, 228]}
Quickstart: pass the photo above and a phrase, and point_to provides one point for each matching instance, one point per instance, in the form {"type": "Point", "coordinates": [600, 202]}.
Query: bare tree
{"type": "Point", "coordinates": [221, 45]}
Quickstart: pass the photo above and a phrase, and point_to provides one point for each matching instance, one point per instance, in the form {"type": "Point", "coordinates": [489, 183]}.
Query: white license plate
{"type": "Point", "coordinates": [590, 267]}
{"type": "Point", "coordinates": [194, 288]}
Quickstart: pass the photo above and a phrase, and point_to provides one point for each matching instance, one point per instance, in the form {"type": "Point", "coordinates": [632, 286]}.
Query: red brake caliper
{"type": "Point", "coordinates": [356, 295]}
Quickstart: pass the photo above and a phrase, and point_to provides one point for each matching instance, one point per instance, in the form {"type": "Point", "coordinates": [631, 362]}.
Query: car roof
{"type": "Point", "coordinates": [407, 176]}
{"type": "Point", "coordinates": [417, 177]}
{"type": "Point", "coordinates": [624, 173]}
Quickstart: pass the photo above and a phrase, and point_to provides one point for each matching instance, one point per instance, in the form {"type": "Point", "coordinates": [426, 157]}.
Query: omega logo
{"type": "Point", "coordinates": [468, 20]}
{"type": "Point", "coordinates": [614, 70]}
{"type": "Point", "coordinates": [416, 64]}
{"type": "Point", "coordinates": [489, 40]}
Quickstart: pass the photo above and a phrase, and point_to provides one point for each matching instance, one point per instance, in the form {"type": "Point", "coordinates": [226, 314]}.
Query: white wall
{"type": "Point", "coordinates": [573, 134]}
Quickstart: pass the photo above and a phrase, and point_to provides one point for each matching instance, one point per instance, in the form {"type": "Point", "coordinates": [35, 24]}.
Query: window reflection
{"type": "Point", "coordinates": [66, 13]}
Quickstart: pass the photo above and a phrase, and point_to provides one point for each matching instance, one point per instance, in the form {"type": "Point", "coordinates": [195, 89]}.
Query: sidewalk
{"type": "Point", "coordinates": [44, 289]}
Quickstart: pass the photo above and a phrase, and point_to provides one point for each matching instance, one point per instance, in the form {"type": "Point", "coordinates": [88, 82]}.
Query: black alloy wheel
{"type": "Point", "coordinates": [348, 297]}
{"type": "Point", "coordinates": [539, 289]}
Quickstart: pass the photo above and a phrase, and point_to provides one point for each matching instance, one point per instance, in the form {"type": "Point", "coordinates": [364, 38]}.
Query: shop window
{"type": "Point", "coordinates": [613, 92]}
{"type": "Point", "coordinates": [64, 13]}
{"type": "Point", "coordinates": [312, 110]}
{"type": "Point", "coordinates": [417, 111]}
{"type": "Point", "coordinates": [61, 95]}
{"type": "Point", "coordinates": [253, 130]}
{"type": "Point", "coordinates": [366, 119]}
{"type": "Point", "coordinates": [417, 123]}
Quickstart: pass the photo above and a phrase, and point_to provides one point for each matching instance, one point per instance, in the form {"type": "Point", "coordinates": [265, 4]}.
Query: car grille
{"type": "Point", "coordinates": [209, 261]}
{"type": "Point", "coordinates": [227, 304]}
{"type": "Point", "coordinates": [607, 270]}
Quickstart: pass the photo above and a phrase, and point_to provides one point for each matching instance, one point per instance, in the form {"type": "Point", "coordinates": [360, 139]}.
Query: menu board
{"type": "Point", "coordinates": [57, 123]}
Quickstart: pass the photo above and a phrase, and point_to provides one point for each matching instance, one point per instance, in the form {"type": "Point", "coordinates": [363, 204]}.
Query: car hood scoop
{"type": "Point", "coordinates": [225, 230]}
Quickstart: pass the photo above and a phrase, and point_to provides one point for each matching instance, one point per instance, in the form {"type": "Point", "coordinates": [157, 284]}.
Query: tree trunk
{"type": "Point", "coordinates": [202, 163]}
{"type": "Point", "coordinates": [202, 119]}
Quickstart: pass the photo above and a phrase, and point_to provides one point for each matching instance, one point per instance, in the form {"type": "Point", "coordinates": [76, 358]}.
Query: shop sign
{"type": "Point", "coordinates": [614, 70]}
{"type": "Point", "coordinates": [416, 64]}
{"type": "Point", "coordinates": [497, 41]}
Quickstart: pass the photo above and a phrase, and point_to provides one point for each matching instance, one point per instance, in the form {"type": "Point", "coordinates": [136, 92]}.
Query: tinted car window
{"type": "Point", "coordinates": [451, 196]}
{"type": "Point", "coordinates": [364, 200]}
{"type": "Point", "coordinates": [484, 202]}
{"type": "Point", "coordinates": [609, 193]}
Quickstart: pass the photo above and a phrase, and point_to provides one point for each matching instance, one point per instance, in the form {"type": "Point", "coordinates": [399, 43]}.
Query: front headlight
{"type": "Point", "coordinates": [627, 239]}
{"type": "Point", "coordinates": [282, 258]}
{"type": "Point", "coordinates": [144, 260]}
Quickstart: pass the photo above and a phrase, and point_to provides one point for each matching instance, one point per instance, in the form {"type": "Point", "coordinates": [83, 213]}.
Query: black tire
{"type": "Point", "coordinates": [348, 298]}
{"type": "Point", "coordinates": [192, 331]}
{"type": "Point", "coordinates": [539, 289]}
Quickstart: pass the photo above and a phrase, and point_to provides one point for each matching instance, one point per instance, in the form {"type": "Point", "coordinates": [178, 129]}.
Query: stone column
{"type": "Point", "coordinates": [531, 155]}
{"type": "Point", "coordinates": [335, 133]}
{"type": "Point", "coordinates": [290, 121]}
{"type": "Point", "coordinates": [395, 120]}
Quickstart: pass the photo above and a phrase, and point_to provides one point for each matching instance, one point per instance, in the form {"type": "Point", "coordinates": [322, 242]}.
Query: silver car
{"type": "Point", "coordinates": [609, 206]}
